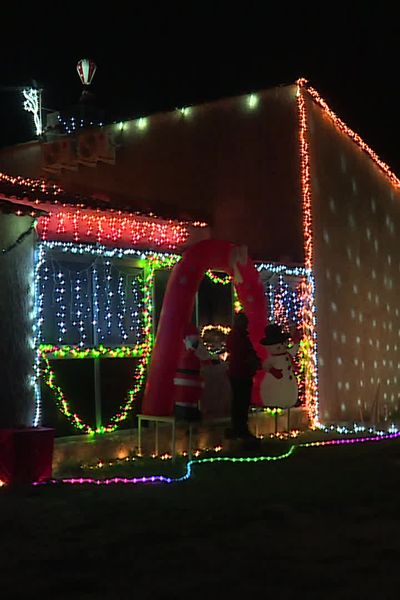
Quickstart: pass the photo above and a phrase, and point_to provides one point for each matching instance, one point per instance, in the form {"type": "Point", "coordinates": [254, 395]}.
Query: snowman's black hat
{"type": "Point", "coordinates": [274, 335]}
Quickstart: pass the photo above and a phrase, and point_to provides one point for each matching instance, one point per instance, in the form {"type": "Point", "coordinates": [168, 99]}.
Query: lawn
{"type": "Point", "coordinates": [322, 524]}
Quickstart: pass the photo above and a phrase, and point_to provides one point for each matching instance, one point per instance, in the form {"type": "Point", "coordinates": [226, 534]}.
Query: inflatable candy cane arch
{"type": "Point", "coordinates": [177, 310]}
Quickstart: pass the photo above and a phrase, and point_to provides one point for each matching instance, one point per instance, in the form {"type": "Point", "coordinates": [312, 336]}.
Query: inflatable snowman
{"type": "Point", "coordinates": [278, 386]}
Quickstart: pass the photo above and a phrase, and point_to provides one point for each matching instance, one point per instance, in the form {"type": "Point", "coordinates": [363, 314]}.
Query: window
{"type": "Point", "coordinates": [89, 301]}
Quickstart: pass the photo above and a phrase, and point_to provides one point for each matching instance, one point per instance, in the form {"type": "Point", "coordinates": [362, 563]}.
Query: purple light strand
{"type": "Point", "coordinates": [187, 475]}
{"type": "Point", "coordinates": [378, 438]}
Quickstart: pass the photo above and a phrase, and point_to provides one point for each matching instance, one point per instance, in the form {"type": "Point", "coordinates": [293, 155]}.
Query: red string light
{"type": "Point", "coordinates": [309, 347]}
{"type": "Point", "coordinates": [106, 228]}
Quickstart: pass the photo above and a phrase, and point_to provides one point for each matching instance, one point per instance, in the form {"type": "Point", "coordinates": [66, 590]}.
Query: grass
{"type": "Point", "coordinates": [322, 524]}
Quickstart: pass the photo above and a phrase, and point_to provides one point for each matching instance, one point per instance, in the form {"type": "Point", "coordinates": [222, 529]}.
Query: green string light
{"type": "Point", "coordinates": [142, 351]}
{"type": "Point", "coordinates": [217, 279]}
{"type": "Point", "coordinates": [247, 459]}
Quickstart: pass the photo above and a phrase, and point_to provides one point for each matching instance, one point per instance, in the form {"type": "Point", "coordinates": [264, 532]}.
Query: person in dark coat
{"type": "Point", "coordinates": [243, 364]}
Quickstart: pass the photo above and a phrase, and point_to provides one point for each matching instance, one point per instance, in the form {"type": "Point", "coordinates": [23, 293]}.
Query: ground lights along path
{"type": "Point", "coordinates": [381, 436]}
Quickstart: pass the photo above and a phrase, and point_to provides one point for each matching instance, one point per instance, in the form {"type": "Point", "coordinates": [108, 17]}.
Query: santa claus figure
{"type": "Point", "coordinates": [278, 387]}
{"type": "Point", "coordinates": [188, 381]}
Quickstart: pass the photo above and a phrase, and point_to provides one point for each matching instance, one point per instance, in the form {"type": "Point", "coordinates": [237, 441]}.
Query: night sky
{"type": "Point", "coordinates": [151, 58]}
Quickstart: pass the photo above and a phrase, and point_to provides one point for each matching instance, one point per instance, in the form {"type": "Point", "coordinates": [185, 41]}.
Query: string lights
{"type": "Point", "coordinates": [40, 193]}
{"type": "Point", "coordinates": [115, 227]}
{"type": "Point", "coordinates": [76, 352]}
{"type": "Point", "coordinates": [72, 124]}
{"type": "Point", "coordinates": [33, 104]}
{"type": "Point", "coordinates": [218, 279]}
{"type": "Point", "coordinates": [219, 459]}
{"type": "Point", "coordinates": [92, 294]}
{"type": "Point", "coordinates": [112, 228]}
{"type": "Point", "coordinates": [358, 440]}
{"type": "Point", "coordinates": [220, 328]}
{"type": "Point", "coordinates": [282, 269]}
{"type": "Point", "coordinates": [142, 351]}
{"type": "Point", "coordinates": [164, 479]}
{"type": "Point", "coordinates": [309, 346]}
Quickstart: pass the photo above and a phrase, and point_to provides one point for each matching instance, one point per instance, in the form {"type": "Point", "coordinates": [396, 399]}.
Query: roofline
{"type": "Point", "coordinates": [159, 113]}
{"type": "Point", "coordinates": [301, 83]}
{"type": "Point", "coordinates": [355, 137]}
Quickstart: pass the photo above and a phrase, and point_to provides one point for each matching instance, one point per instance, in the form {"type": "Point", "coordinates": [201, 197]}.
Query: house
{"type": "Point", "coordinates": [276, 171]}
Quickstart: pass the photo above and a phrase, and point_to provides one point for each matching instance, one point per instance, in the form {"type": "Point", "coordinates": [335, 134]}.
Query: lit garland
{"type": "Point", "coordinates": [123, 412]}
{"type": "Point", "coordinates": [220, 328]}
{"type": "Point", "coordinates": [309, 348]}
{"type": "Point", "coordinates": [54, 352]}
{"type": "Point", "coordinates": [217, 279]}
{"type": "Point", "coordinates": [237, 305]}
{"type": "Point", "coordinates": [282, 269]}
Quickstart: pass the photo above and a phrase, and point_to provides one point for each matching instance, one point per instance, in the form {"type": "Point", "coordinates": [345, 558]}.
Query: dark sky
{"type": "Point", "coordinates": [159, 55]}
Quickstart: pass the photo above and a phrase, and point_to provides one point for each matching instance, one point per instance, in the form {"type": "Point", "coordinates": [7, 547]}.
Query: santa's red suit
{"type": "Point", "coordinates": [188, 382]}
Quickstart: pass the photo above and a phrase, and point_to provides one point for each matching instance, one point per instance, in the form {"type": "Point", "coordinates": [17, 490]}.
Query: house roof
{"type": "Point", "coordinates": [65, 217]}
{"type": "Point", "coordinates": [42, 192]}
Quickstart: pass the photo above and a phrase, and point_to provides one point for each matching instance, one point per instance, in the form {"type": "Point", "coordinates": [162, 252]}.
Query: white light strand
{"type": "Point", "coordinates": [33, 104]}
{"type": "Point", "coordinates": [37, 326]}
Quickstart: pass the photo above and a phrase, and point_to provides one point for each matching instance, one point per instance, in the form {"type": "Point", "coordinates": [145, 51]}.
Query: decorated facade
{"type": "Point", "coordinates": [276, 171]}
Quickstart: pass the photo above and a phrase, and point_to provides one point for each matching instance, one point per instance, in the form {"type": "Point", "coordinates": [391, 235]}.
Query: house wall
{"type": "Point", "coordinates": [356, 226]}
{"type": "Point", "coordinates": [17, 398]}
{"type": "Point", "coordinates": [230, 164]}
